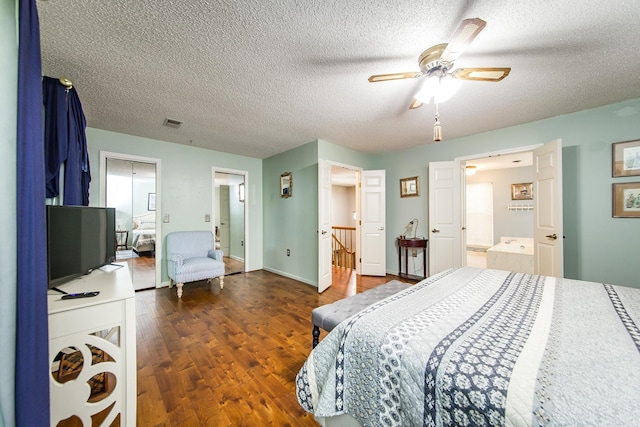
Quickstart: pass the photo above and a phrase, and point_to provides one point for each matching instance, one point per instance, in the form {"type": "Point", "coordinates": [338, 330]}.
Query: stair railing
{"type": "Point", "coordinates": [343, 246]}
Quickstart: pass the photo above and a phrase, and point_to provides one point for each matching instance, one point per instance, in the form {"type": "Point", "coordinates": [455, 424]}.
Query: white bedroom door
{"type": "Point", "coordinates": [445, 216]}
{"type": "Point", "coordinates": [324, 225]}
{"type": "Point", "coordinates": [373, 228]}
{"type": "Point", "coordinates": [225, 221]}
{"type": "Point", "coordinates": [548, 228]}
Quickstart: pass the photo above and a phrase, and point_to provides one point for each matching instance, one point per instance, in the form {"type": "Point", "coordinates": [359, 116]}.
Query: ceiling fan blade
{"type": "Point", "coordinates": [481, 74]}
{"type": "Point", "coordinates": [415, 104]}
{"type": "Point", "coordinates": [394, 76]}
{"type": "Point", "coordinates": [464, 35]}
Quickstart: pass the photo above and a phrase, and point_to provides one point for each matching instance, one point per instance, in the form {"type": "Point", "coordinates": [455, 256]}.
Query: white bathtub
{"type": "Point", "coordinates": [513, 254]}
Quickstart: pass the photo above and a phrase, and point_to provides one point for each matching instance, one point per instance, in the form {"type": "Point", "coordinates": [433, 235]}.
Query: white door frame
{"type": "Point", "coordinates": [548, 228]}
{"type": "Point", "coordinates": [104, 155]}
{"type": "Point", "coordinates": [325, 241]}
{"type": "Point", "coordinates": [446, 222]}
{"type": "Point", "coordinates": [464, 159]}
{"type": "Point", "coordinates": [499, 152]}
{"type": "Point", "coordinates": [247, 197]}
{"type": "Point", "coordinates": [358, 171]}
{"type": "Point", "coordinates": [372, 259]}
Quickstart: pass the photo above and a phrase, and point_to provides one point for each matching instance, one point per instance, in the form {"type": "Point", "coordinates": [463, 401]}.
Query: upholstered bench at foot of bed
{"type": "Point", "coordinates": [329, 316]}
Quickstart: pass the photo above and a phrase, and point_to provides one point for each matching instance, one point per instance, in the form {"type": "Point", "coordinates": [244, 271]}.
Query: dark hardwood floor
{"type": "Point", "coordinates": [230, 357]}
{"type": "Point", "coordinates": [142, 267]}
{"type": "Point", "coordinates": [232, 266]}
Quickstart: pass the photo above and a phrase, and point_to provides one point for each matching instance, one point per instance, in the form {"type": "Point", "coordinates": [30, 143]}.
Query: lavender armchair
{"type": "Point", "coordinates": [191, 256]}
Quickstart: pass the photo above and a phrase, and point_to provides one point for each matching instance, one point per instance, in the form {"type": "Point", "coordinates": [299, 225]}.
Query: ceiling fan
{"type": "Point", "coordinates": [436, 63]}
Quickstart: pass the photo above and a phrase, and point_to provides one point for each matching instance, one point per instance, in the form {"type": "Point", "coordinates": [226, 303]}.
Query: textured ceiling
{"type": "Point", "coordinates": [257, 78]}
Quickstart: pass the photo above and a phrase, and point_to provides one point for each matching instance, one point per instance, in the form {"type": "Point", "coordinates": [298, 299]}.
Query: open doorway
{"type": "Point", "coordinates": [230, 219]}
{"type": "Point", "coordinates": [343, 219]}
{"type": "Point", "coordinates": [492, 215]}
{"type": "Point", "coordinates": [130, 185]}
{"type": "Point", "coordinates": [370, 220]}
{"type": "Point", "coordinates": [447, 219]}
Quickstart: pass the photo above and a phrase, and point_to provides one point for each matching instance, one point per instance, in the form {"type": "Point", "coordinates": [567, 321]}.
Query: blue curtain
{"type": "Point", "coordinates": [65, 142]}
{"type": "Point", "coordinates": [32, 337]}
{"type": "Point", "coordinates": [55, 132]}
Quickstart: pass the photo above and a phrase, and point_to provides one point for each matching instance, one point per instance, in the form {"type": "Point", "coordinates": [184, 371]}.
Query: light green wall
{"type": "Point", "coordinates": [8, 249]}
{"type": "Point", "coordinates": [292, 223]}
{"type": "Point", "coordinates": [345, 156]}
{"type": "Point", "coordinates": [597, 247]}
{"type": "Point", "coordinates": [186, 183]}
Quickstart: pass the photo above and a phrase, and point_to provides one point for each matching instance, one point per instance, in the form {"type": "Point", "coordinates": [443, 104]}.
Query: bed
{"type": "Point", "coordinates": [143, 238]}
{"type": "Point", "coordinates": [475, 346]}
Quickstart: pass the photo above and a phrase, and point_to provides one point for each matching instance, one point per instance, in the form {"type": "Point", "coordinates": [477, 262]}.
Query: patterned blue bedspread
{"type": "Point", "coordinates": [483, 347]}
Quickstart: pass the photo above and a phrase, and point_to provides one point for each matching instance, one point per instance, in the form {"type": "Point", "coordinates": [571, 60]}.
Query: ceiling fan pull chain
{"type": "Point", "coordinates": [437, 129]}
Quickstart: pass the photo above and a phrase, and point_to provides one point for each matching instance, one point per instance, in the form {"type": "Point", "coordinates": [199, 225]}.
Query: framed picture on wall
{"type": "Point", "coordinates": [151, 202]}
{"type": "Point", "coordinates": [286, 185]}
{"type": "Point", "coordinates": [523, 191]}
{"type": "Point", "coordinates": [626, 200]}
{"type": "Point", "coordinates": [625, 158]}
{"type": "Point", "coordinates": [409, 187]}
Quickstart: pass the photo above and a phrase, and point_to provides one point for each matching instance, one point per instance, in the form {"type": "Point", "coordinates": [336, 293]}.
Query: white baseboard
{"type": "Point", "coordinates": [290, 276]}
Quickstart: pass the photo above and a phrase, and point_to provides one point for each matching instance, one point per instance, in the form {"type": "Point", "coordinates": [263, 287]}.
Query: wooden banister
{"type": "Point", "coordinates": [344, 253]}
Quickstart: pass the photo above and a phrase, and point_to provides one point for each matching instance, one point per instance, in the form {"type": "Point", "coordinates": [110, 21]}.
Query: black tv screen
{"type": "Point", "coordinates": [79, 240]}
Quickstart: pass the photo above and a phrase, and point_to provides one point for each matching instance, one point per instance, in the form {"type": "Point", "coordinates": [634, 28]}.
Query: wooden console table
{"type": "Point", "coordinates": [100, 329]}
{"type": "Point", "coordinates": [415, 243]}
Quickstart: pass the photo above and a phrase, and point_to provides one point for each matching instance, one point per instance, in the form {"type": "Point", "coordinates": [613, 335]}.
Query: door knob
{"type": "Point", "coordinates": [435, 230]}
{"type": "Point", "coordinates": [324, 232]}
{"type": "Point", "coordinates": [552, 236]}
{"type": "Point", "coordinates": [381, 228]}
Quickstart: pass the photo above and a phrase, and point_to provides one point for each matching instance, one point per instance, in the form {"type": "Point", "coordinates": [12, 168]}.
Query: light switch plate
{"type": "Point", "coordinates": [165, 218]}
{"type": "Point", "coordinates": [207, 218]}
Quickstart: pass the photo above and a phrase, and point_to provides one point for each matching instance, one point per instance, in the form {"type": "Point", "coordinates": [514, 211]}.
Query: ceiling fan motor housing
{"type": "Point", "coordinates": [429, 60]}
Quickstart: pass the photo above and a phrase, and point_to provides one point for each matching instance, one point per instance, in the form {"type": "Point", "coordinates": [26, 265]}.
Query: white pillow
{"type": "Point", "coordinates": [144, 222]}
{"type": "Point", "coordinates": [146, 225]}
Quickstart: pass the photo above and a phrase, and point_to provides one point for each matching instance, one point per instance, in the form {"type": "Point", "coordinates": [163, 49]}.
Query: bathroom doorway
{"type": "Point", "coordinates": [490, 213]}
{"type": "Point", "coordinates": [230, 218]}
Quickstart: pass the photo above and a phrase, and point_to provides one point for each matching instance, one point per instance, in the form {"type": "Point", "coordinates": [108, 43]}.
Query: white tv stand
{"type": "Point", "coordinates": [101, 329]}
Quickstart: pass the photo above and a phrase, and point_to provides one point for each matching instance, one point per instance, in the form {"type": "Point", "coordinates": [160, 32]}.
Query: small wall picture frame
{"type": "Point", "coordinates": [241, 192]}
{"type": "Point", "coordinates": [522, 191]}
{"type": "Point", "coordinates": [410, 187]}
{"type": "Point", "coordinates": [286, 185]}
{"type": "Point", "coordinates": [625, 158]}
{"type": "Point", "coordinates": [626, 200]}
{"type": "Point", "coordinates": [151, 202]}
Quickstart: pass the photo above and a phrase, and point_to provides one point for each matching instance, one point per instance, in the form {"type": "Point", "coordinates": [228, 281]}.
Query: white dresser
{"type": "Point", "coordinates": [101, 329]}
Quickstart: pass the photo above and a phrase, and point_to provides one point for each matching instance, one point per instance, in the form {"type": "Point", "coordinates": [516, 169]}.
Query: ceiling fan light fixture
{"type": "Point", "coordinates": [438, 88]}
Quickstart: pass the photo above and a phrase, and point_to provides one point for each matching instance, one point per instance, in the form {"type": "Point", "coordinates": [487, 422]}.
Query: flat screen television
{"type": "Point", "coordinates": [79, 240]}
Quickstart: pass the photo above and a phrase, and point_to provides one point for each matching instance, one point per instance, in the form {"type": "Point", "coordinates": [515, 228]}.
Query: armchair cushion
{"type": "Point", "coordinates": [191, 256]}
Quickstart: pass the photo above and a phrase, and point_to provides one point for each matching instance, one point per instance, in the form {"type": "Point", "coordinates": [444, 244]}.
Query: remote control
{"type": "Point", "coordinates": [80, 295]}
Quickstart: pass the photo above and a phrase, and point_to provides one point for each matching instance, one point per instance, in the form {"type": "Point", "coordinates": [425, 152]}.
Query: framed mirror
{"type": "Point", "coordinates": [286, 184]}
{"type": "Point", "coordinates": [409, 187]}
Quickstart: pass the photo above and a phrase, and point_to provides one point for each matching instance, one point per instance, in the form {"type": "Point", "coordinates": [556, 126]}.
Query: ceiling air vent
{"type": "Point", "coordinates": [172, 123]}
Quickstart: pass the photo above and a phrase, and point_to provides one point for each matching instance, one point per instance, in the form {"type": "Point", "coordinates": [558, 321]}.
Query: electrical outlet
{"type": "Point", "coordinates": [288, 252]}
{"type": "Point", "coordinates": [414, 253]}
